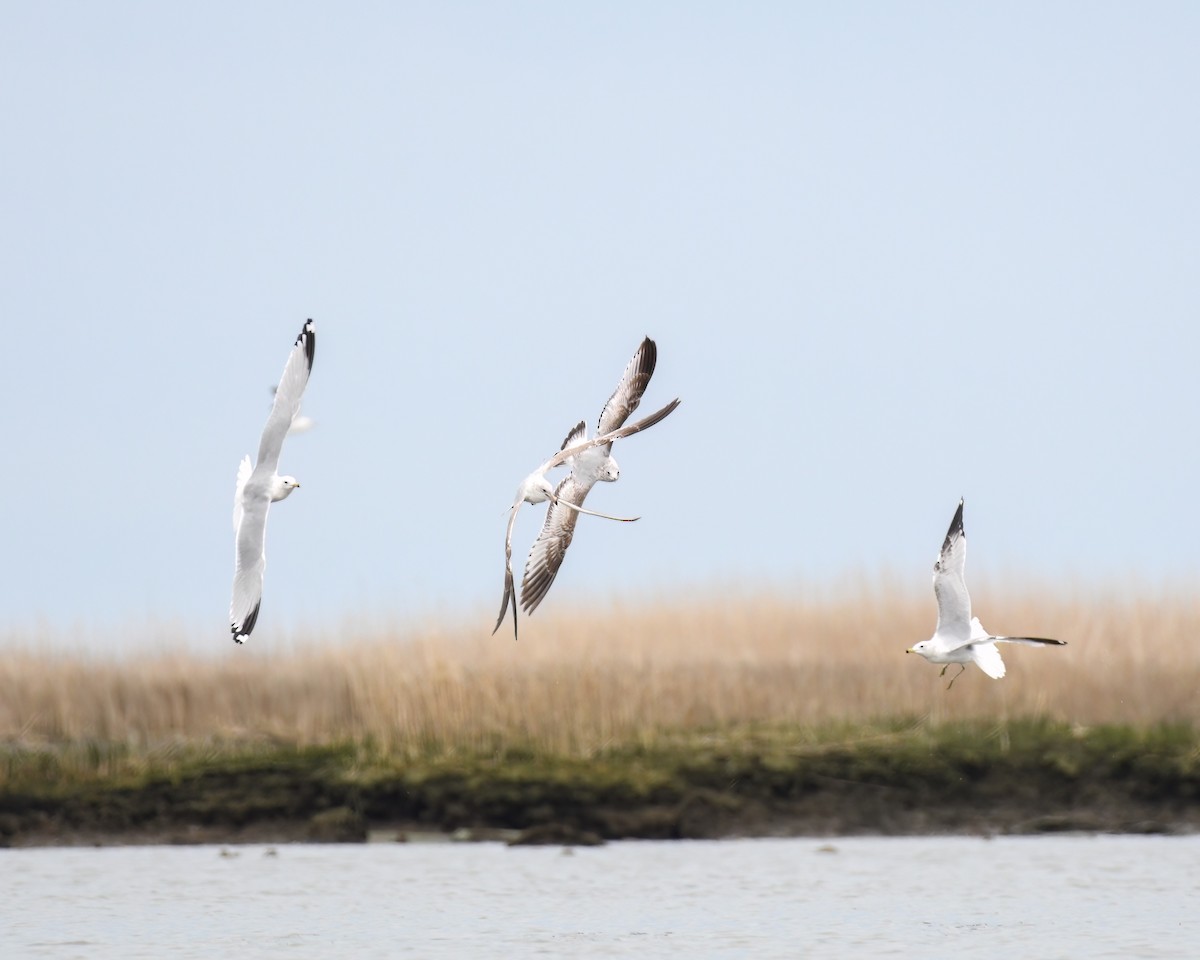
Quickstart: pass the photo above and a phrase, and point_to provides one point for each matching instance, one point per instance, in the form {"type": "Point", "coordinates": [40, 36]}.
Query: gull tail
{"type": "Point", "coordinates": [988, 658]}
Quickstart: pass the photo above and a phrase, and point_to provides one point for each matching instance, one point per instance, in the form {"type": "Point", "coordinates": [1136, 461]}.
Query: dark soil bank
{"type": "Point", "coordinates": [1019, 778]}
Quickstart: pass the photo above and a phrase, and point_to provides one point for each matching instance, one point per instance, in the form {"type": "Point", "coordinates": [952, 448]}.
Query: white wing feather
{"type": "Point", "coordinates": [954, 602]}
{"type": "Point", "coordinates": [250, 563]}
{"type": "Point", "coordinates": [245, 468]}
{"type": "Point", "coordinates": [287, 401]}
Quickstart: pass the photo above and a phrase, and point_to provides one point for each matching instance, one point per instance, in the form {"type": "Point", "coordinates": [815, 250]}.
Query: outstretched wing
{"type": "Point", "coordinates": [250, 562]}
{"type": "Point", "coordinates": [550, 548]}
{"type": "Point", "coordinates": [1031, 641]}
{"type": "Point", "coordinates": [575, 436]}
{"type": "Point", "coordinates": [510, 592]}
{"type": "Point", "coordinates": [572, 447]}
{"type": "Point", "coordinates": [629, 391]}
{"type": "Point", "coordinates": [954, 603]}
{"type": "Point", "coordinates": [287, 400]}
{"type": "Point", "coordinates": [244, 470]}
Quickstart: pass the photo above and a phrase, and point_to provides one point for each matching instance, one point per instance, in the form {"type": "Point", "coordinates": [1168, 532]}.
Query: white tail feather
{"type": "Point", "coordinates": [989, 660]}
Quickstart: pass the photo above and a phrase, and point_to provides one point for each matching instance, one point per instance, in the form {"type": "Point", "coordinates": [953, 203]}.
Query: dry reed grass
{"type": "Point", "coordinates": [624, 673]}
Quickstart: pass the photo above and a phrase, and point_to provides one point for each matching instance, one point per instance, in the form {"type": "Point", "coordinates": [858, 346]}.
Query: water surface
{"type": "Point", "coordinates": [859, 897]}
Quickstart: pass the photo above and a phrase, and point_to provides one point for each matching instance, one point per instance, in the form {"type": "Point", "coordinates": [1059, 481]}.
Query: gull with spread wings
{"type": "Point", "coordinates": [535, 488]}
{"type": "Point", "coordinates": [260, 486]}
{"type": "Point", "coordinates": [959, 637]}
{"type": "Point", "coordinates": [590, 463]}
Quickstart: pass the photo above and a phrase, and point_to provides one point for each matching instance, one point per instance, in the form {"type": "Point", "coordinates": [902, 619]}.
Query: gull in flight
{"type": "Point", "coordinates": [260, 486]}
{"type": "Point", "coordinates": [592, 463]}
{"type": "Point", "coordinates": [959, 637]}
{"type": "Point", "coordinates": [535, 488]}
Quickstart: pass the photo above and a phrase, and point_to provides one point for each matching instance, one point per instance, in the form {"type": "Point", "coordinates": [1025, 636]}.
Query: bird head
{"type": "Point", "coordinates": [537, 489]}
{"type": "Point", "coordinates": [284, 486]}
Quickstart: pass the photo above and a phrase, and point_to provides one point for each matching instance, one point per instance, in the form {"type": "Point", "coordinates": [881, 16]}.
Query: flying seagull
{"type": "Point", "coordinates": [535, 488]}
{"type": "Point", "coordinates": [959, 637]}
{"type": "Point", "coordinates": [590, 465]}
{"type": "Point", "coordinates": [261, 486]}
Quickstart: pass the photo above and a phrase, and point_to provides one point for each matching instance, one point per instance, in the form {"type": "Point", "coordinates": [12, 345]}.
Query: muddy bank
{"type": "Point", "coordinates": [1019, 778]}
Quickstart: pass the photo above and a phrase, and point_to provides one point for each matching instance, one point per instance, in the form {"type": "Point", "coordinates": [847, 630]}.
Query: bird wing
{"type": "Point", "coordinates": [954, 603]}
{"type": "Point", "coordinates": [628, 394]}
{"type": "Point", "coordinates": [1031, 641]}
{"type": "Point", "coordinates": [287, 400]}
{"type": "Point", "coordinates": [574, 442]}
{"type": "Point", "coordinates": [546, 555]}
{"type": "Point", "coordinates": [510, 592]}
{"type": "Point", "coordinates": [575, 436]}
{"type": "Point", "coordinates": [572, 447]}
{"type": "Point", "coordinates": [250, 562]}
{"type": "Point", "coordinates": [244, 470]}
{"type": "Point", "coordinates": [548, 551]}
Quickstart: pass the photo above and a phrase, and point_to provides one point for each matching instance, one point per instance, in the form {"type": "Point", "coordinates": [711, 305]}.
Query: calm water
{"type": "Point", "coordinates": [928, 897]}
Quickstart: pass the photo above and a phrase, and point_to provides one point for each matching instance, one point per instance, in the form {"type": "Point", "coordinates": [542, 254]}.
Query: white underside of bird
{"type": "Point", "coordinates": [979, 648]}
{"type": "Point", "coordinates": [959, 637]}
{"type": "Point", "coordinates": [259, 486]}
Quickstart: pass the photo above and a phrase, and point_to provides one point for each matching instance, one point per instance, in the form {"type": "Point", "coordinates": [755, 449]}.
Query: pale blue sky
{"type": "Point", "coordinates": [891, 254]}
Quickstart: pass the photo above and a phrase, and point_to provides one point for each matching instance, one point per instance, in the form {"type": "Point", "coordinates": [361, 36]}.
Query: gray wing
{"type": "Point", "coordinates": [629, 391]}
{"type": "Point", "coordinates": [510, 592]}
{"type": "Point", "coordinates": [572, 445]}
{"type": "Point", "coordinates": [250, 562]}
{"type": "Point", "coordinates": [548, 550]}
{"type": "Point", "coordinates": [287, 399]}
{"type": "Point", "coordinates": [575, 436]}
{"type": "Point", "coordinates": [954, 603]}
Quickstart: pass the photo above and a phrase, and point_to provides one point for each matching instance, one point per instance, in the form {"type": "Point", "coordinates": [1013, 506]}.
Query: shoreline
{"type": "Point", "coordinates": [1028, 777]}
{"type": "Point", "coordinates": [302, 832]}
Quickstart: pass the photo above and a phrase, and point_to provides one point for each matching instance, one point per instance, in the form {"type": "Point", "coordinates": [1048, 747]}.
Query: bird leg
{"type": "Point", "coordinates": [962, 667]}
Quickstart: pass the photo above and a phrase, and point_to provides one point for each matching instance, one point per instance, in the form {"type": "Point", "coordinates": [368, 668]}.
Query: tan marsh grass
{"type": "Point", "coordinates": [621, 673]}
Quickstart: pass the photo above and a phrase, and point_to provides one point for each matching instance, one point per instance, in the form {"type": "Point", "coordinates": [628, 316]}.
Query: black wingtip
{"type": "Point", "coordinates": [308, 336]}
{"type": "Point", "coordinates": [956, 530]}
{"type": "Point", "coordinates": [649, 351]}
{"type": "Point", "coordinates": [956, 525]}
{"type": "Point", "coordinates": [240, 635]}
